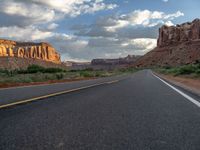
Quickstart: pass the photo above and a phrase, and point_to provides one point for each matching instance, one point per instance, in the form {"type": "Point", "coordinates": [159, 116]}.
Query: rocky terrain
{"type": "Point", "coordinates": [130, 59]}
{"type": "Point", "coordinates": [177, 45]}
{"type": "Point", "coordinates": [15, 55]}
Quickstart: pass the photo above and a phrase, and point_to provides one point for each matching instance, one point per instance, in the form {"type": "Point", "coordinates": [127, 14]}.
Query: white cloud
{"type": "Point", "coordinates": [52, 26]}
{"type": "Point", "coordinates": [45, 11]}
{"type": "Point", "coordinates": [148, 18]}
{"type": "Point", "coordinates": [29, 33]}
{"type": "Point", "coordinates": [72, 7]}
{"type": "Point", "coordinates": [125, 24]}
{"type": "Point", "coordinates": [144, 43]}
{"type": "Point", "coordinates": [145, 18]}
{"type": "Point", "coordinates": [169, 23]}
{"type": "Point", "coordinates": [165, 0]}
{"type": "Point", "coordinates": [30, 12]}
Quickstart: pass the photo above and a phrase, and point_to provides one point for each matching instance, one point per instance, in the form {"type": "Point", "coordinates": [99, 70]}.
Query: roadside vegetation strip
{"type": "Point", "coordinates": [35, 74]}
{"type": "Point", "coordinates": [55, 94]}
{"type": "Point", "coordinates": [191, 70]}
{"type": "Point", "coordinates": [194, 101]}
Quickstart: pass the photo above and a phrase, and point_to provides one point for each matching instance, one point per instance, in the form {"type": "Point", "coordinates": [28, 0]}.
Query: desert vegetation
{"type": "Point", "coordinates": [35, 73]}
{"type": "Point", "coordinates": [191, 70]}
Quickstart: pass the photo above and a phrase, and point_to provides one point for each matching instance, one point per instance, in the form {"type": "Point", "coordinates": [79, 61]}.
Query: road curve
{"type": "Point", "coordinates": [139, 113]}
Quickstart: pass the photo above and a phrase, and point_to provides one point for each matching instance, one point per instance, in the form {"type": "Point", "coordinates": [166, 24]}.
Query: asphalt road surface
{"type": "Point", "coordinates": [136, 113]}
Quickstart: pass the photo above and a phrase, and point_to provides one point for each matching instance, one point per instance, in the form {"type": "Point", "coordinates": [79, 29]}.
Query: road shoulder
{"type": "Point", "coordinates": [192, 85]}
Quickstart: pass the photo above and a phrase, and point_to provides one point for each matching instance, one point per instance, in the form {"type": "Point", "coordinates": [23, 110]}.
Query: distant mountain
{"type": "Point", "coordinates": [177, 45]}
{"type": "Point", "coordinates": [73, 63]}
{"type": "Point", "coordinates": [106, 64]}
{"type": "Point", "coordinates": [130, 59]}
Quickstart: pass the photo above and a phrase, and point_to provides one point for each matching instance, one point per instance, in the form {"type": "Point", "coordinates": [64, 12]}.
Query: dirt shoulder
{"type": "Point", "coordinates": [189, 84]}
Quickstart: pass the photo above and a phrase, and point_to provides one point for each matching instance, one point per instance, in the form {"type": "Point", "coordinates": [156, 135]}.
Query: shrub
{"type": "Point", "coordinates": [59, 76]}
{"type": "Point", "coordinates": [86, 74]}
{"type": "Point", "coordinates": [188, 69]}
{"type": "Point", "coordinates": [52, 70]}
{"type": "Point", "coordinates": [35, 69]}
{"type": "Point", "coordinates": [197, 71]}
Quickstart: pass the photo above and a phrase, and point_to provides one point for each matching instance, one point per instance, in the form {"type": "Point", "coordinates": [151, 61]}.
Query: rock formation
{"type": "Point", "coordinates": [130, 59]}
{"type": "Point", "coordinates": [177, 45]}
{"type": "Point", "coordinates": [41, 51]}
{"type": "Point", "coordinates": [177, 34]}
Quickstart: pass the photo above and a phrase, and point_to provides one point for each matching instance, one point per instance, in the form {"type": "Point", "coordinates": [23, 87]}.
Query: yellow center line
{"type": "Point", "coordinates": [55, 94]}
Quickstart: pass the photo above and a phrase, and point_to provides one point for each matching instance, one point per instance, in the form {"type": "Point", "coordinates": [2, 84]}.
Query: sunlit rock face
{"type": "Point", "coordinates": [177, 45]}
{"type": "Point", "coordinates": [41, 51]}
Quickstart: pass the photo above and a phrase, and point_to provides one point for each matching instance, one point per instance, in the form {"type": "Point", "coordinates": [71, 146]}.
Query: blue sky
{"type": "Point", "coordinates": [81, 30]}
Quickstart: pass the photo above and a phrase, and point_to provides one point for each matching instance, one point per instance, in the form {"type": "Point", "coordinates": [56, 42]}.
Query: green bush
{"type": "Point", "coordinates": [35, 69]}
{"type": "Point", "coordinates": [193, 69]}
{"type": "Point", "coordinates": [53, 70]}
{"type": "Point", "coordinates": [197, 71]}
{"type": "Point", "coordinates": [86, 74]}
{"type": "Point", "coordinates": [59, 76]}
{"type": "Point", "coordinates": [188, 69]}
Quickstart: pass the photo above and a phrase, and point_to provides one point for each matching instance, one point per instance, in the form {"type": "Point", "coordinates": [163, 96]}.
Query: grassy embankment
{"type": "Point", "coordinates": [190, 71]}
{"type": "Point", "coordinates": [36, 73]}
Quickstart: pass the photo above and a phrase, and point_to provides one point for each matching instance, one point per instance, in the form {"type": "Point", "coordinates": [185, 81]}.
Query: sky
{"type": "Point", "coordinates": [82, 30]}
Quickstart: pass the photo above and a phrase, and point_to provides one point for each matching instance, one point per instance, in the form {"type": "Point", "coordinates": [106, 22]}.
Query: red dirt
{"type": "Point", "coordinates": [185, 82]}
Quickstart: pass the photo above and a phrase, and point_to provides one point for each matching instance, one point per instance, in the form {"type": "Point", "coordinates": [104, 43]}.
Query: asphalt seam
{"type": "Point", "coordinates": [194, 101]}
{"type": "Point", "coordinates": [55, 94]}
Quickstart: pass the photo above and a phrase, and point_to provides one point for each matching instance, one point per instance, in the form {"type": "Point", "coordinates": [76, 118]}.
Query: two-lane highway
{"type": "Point", "coordinates": [139, 113]}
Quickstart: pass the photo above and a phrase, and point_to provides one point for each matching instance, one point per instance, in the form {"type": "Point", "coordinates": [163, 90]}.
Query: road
{"type": "Point", "coordinates": [137, 113]}
{"type": "Point", "coordinates": [10, 95]}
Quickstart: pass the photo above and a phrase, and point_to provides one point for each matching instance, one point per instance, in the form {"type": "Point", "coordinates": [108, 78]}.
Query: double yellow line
{"type": "Point", "coordinates": [55, 94]}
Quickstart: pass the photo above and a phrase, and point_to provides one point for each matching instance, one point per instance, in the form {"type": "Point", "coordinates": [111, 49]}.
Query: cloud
{"type": "Point", "coordinates": [29, 33]}
{"type": "Point", "coordinates": [137, 24]}
{"type": "Point", "coordinates": [149, 18]}
{"type": "Point", "coordinates": [52, 26]}
{"type": "Point", "coordinates": [76, 7]}
{"type": "Point", "coordinates": [165, 0]}
{"type": "Point", "coordinates": [29, 14]}
{"type": "Point", "coordinates": [26, 13]}
{"type": "Point", "coordinates": [76, 48]}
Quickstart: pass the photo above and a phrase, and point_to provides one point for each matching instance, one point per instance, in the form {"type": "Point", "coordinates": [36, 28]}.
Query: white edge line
{"type": "Point", "coordinates": [197, 103]}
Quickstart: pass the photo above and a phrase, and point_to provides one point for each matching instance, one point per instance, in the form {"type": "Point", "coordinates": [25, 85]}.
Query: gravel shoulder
{"type": "Point", "coordinates": [192, 85]}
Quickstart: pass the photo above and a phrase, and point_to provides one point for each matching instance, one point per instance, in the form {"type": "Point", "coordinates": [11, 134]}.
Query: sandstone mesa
{"type": "Point", "coordinates": [40, 51]}
{"type": "Point", "coordinates": [177, 45]}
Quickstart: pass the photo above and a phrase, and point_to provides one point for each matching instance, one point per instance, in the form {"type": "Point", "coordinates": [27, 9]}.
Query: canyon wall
{"type": "Point", "coordinates": [178, 34]}
{"type": "Point", "coordinates": [40, 51]}
{"type": "Point", "coordinates": [177, 45]}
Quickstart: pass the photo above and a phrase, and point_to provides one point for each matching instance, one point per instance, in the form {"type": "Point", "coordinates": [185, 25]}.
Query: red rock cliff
{"type": "Point", "coordinates": [41, 51]}
{"type": "Point", "coordinates": [177, 45]}
{"type": "Point", "coordinates": [177, 34]}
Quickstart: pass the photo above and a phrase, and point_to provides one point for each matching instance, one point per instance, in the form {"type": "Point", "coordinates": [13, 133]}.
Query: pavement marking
{"type": "Point", "coordinates": [196, 102]}
{"type": "Point", "coordinates": [112, 81]}
{"type": "Point", "coordinates": [55, 94]}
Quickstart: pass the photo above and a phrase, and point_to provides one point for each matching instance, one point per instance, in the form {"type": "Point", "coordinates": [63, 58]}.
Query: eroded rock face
{"type": "Point", "coordinates": [177, 34]}
{"type": "Point", "coordinates": [42, 51]}
{"type": "Point", "coordinates": [177, 45]}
